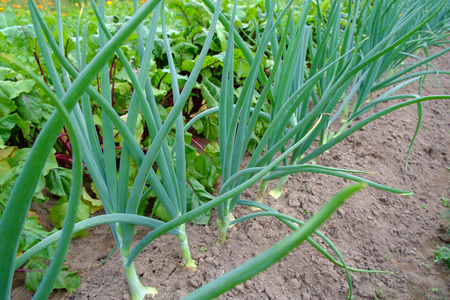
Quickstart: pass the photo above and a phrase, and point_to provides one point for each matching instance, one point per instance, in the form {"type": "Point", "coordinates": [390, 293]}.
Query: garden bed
{"type": "Point", "coordinates": [373, 230]}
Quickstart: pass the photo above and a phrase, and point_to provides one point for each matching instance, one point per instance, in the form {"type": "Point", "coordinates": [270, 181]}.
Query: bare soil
{"type": "Point", "coordinates": [372, 230]}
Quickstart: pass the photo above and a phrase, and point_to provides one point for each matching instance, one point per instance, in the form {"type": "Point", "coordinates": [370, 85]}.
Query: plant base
{"type": "Point", "coordinates": [188, 262]}
{"type": "Point", "coordinates": [278, 190]}
{"type": "Point", "coordinates": [137, 289]}
{"type": "Point", "coordinates": [260, 196]}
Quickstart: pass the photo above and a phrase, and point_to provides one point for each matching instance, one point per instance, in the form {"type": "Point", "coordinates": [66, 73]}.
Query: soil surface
{"type": "Point", "coordinates": [373, 230]}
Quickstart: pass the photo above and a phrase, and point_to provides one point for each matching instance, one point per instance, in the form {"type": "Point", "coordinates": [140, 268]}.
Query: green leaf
{"type": "Point", "coordinates": [183, 50]}
{"type": "Point", "coordinates": [191, 155]}
{"type": "Point", "coordinates": [162, 213]}
{"type": "Point", "coordinates": [161, 82]}
{"type": "Point", "coordinates": [255, 94]}
{"type": "Point", "coordinates": [23, 34]}
{"type": "Point", "coordinates": [198, 126]}
{"type": "Point", "coordinates": [198, 35]}
{"type": "Point", "coordinates": [443, 256]}
{"type": "Point", "coordinates": [163, 113]}
{"type": "Point", "coordinates": [222, 34]}
{"type": "Point", "coordinates": [29, 106]}
{"type": "Point", "coordinates": [122, 88]}
{"type": "Point", "coordinates": [58, 181]}
{"type": "Point", "coordinates": [204, 166]}
{"type": "Point", "coordinates": [50, 163]}
{"type": "Point", "coordinates": [33, 233]}
{"type": "Point", "coordinates": [190, 13]}
{"type": "Point", "coordinates": [209, 62]}
{"type": "Point", "coordinates": [7, 19]}
{"type": "Point", "coordinates": [54, 184]}
{"type": "Point", "coordinates": [93, 204]}
{"type": "Point", "coordinates": [209, 169]}
{"type": "Point", "coordinates": [253, 143]}
{"type": "Point", "coordinates": [6, 124]}
{"type": "Point", "coordinates": [122, 75]}
{"type": "Point", "coordinates": [13, 89]}
{"type": "Point", "coordinates": [6, 105]}
{"type": "Point", "coordinates": [196, 196]}
{"type": "Point", "coordinates": [4, 155]}
{"type": "Point", "coordinates": [16, 162]}
{"type": "Point", "coordinates": [47, 110]}
{"type": "Point", "coordinates": [241, 65]}
{"type": "Point", "coordinates": [6, 73]}
{"type": "Point", "coordinates": [66, 280]}
{"type": "Point", "coordinates": [137, 133]}
{"type": "Point", "coordinates": [210, 93]}
{"type": "Point", "coordinates": [142, 207]}
{"type": "Point", "coordinates": [58, 213]}
{"type": "Point", "coordinates": [211, 127]}
{"type": "Point", "coordinates": [159, 92]}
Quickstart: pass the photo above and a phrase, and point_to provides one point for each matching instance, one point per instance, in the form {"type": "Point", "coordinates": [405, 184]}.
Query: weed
{"type": "Point", "coordinates": [426, 266]}
{"type": "Point", "coordinates": [443, 255]}
{"type": "Point", "coordinates": [438, 294]}
{"type": "Point", "coordinates": [379, 293]}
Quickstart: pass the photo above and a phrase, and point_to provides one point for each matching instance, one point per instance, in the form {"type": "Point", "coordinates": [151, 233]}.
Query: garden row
{"type": "Point", "coordinates": [150, 111]}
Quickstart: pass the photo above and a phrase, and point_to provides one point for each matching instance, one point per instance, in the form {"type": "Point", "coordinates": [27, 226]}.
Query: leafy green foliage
{"type": "Point", "coordinates": [58, 213]}
{"type": "Point", "coordinates": [207, 167]}
{"type": "Point", "coordinates": [36, 269]}
{"type": "Point", "coordinates": [12, 160]}
{"type": "Point", "coordinates": [33, 233]}
{"type": "Point", "coordinates": [21, 39]}
{"type": "Point", "coordinates": [22, 110]}
{"type": "Point", "coordinates": [443, 255]}
{"type": "Point", "coordinates": [197, 196]}
{"type": "Point", "coordinates": [7, 19]}
{"type": "Point", "coordinates": [58, 181]}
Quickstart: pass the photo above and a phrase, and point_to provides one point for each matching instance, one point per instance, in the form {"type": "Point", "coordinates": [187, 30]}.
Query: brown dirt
{"type": "Point", "coordinates": [372, 230]}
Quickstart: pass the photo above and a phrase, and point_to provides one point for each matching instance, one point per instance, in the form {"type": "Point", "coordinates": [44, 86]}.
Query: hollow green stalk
{"type": "Point", "coordinates": [181, 206]}
{"type": "Point", "coordinates": [223, 227]}
{"type": "Point", "coordinates": [261, 192]}
{"type": "Point", "coordinates": [188, 262]}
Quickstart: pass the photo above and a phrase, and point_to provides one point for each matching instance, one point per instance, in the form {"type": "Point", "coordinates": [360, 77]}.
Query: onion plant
{"type": "Point", "coordinates": [305, 100]}
{"type": "Point", "coordinates": [101, 162]}
{"type": "Point", "coordinates": [346, 63]}
{"type": "Point", "coordinates": [394, 28]}
{"type": "Point", "coordinates": [338, 70]}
